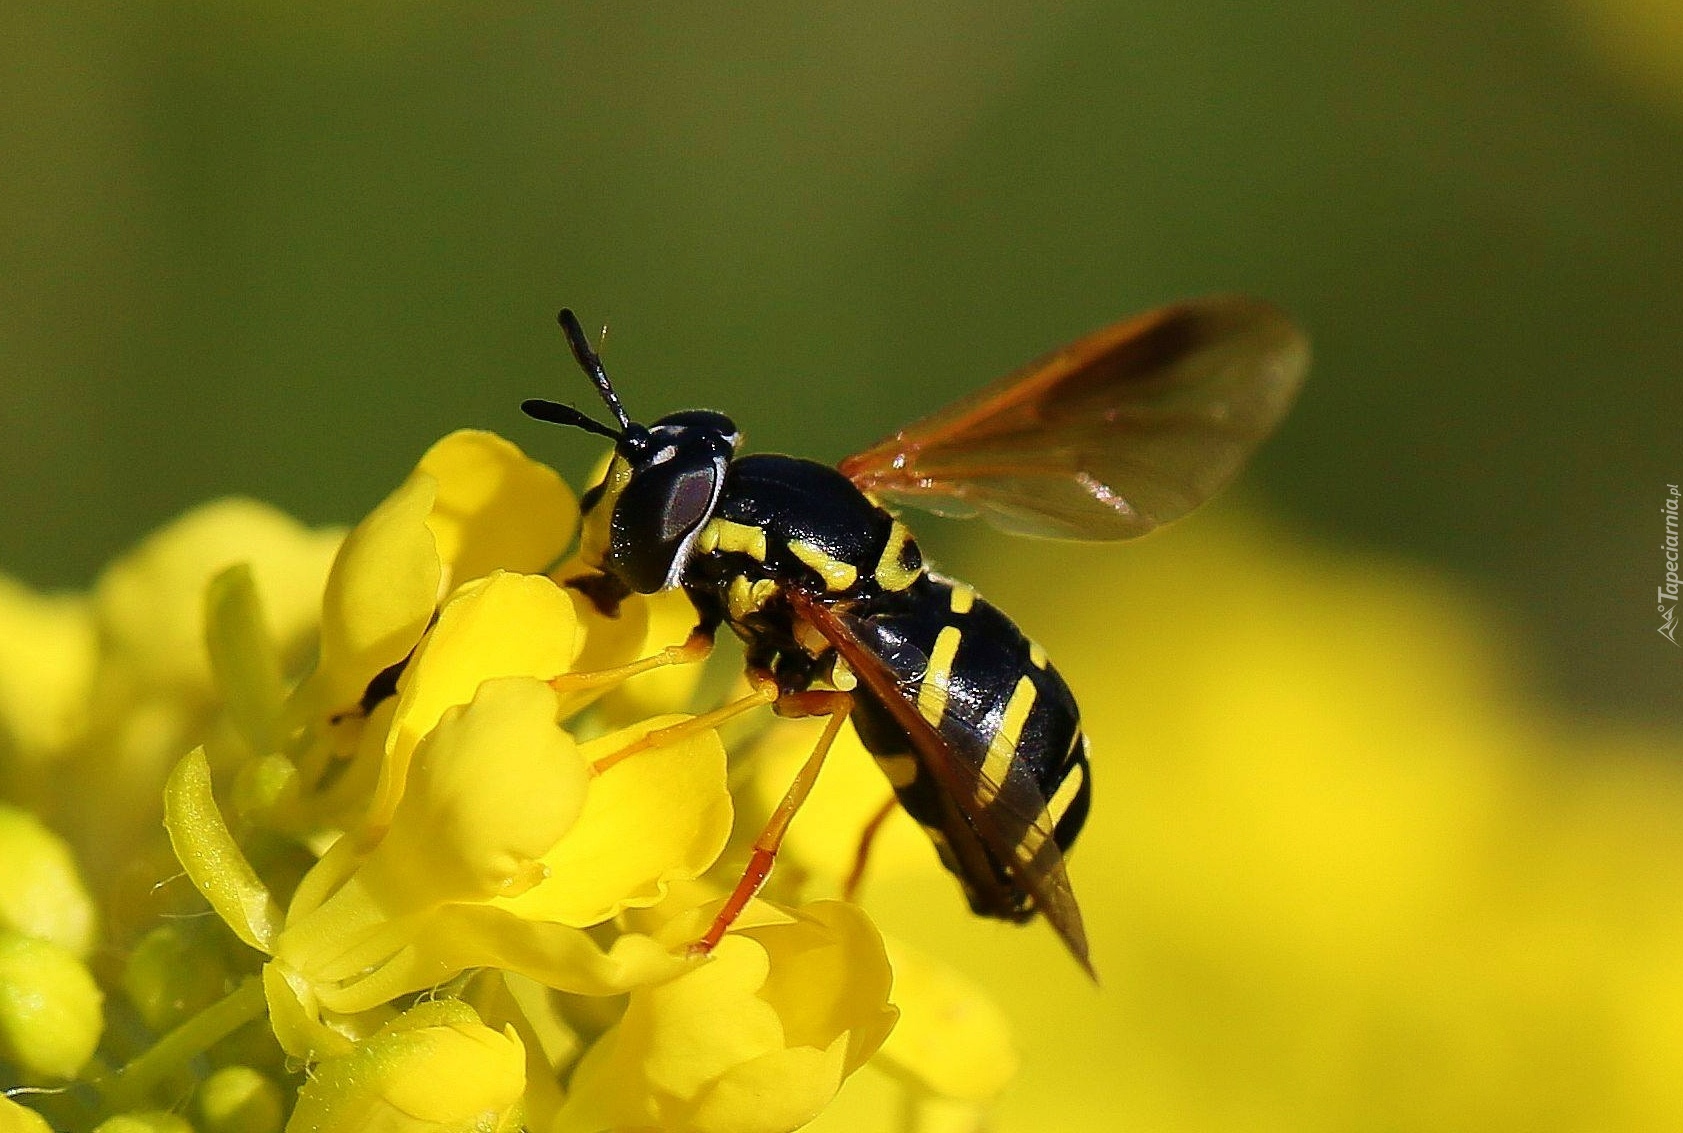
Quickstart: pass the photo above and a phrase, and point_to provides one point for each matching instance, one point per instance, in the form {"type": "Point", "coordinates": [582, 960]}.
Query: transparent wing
{"type": "Point", "coordinates": [1008, 820]}
{"type": "Point", "coordinates": [1116, 434]}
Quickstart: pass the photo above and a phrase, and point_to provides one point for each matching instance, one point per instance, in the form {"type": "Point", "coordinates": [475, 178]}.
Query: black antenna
{"type": "Point", "coordinates": [591, 365]}
{"type": "Point", "coordinates": [558, 414]}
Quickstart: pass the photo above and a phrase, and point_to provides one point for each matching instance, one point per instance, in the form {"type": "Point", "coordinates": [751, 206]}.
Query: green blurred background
{"type": "Point", "coordinates": [277, 249]}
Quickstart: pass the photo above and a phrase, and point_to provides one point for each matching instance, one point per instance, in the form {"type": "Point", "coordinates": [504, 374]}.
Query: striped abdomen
{"type": "Point", "coordinates": [992, 697]}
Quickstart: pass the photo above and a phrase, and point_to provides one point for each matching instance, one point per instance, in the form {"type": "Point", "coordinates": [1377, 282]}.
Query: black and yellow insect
{"type": "Point", "coordinates": [979, 736]}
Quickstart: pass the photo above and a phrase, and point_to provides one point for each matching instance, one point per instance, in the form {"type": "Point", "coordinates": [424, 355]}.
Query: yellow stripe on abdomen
{"type": "Point", "coordinates": [1065, 795]}
{"type": "Point", "coordinates": [1003, 748]}
{"type": "Point", "coordinates": [932, 692]}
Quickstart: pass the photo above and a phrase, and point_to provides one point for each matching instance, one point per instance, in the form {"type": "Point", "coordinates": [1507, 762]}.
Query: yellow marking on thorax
{"type": "Point", "coordinates": [836, 574]}
{"type": "Point", "coordinates": [1003, 749]}
{"type": "Point", "coordinates": [890, 574]}
{"type": "Point", "coordinates": [1037, 655]}
{"type": "Point", "coordinates": [743, 598]}
{"type": "Point", "coordinates": [1065, 794]}
{"type": "Point", "coordinates": [726, 535]}
{"type": "Point", "coordinates": [932, 693]}
{"type": "Point", "coordinates": [963, 598]}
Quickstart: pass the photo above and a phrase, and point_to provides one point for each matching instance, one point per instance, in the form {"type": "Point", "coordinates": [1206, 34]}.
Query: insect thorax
{"type": "Point", "coordinates": [785, 522]}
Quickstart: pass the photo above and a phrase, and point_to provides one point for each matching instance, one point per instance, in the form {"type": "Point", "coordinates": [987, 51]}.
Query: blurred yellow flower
{"type": "Point", "coordinates": [1343, 873]}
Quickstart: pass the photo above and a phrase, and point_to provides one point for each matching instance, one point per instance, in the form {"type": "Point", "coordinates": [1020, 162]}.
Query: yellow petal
{"type": "Point", "coordinates": [295, 1015]}
{"type": "Point", "coordinates": [458, 937]}
{"type": "Point", "coordinates": [951, 1037]}
{"type": "Point", "coordinates": [492, 788]}
{"type": "Point", "coordinates": [659, 816]}
{"type": "Point", "coordinates": [212, 858]}
{"type": "Point", "coordinates": [494, 785]}
{"type": "Point", "coordinates": [497, 509]}
{"type": "Point", "coordinates": [830, 977]}
{"type": "Point", "coordinates": [150, 602]}
{"type": "Point", "coordinates": [380, 595]}
{"type": "Point", "coordinates": [508, 625]}
{"type": "Point", "coordinates": [675, 1040]}
{"type": "Point", "coordinates": [436, 1067]}
{"type": "Point", "coordinates": [780, 1090]}
{"type": "Point", "coordinates": [243, 657]}
{"type": "Point", "coordinates": [757, 1038]}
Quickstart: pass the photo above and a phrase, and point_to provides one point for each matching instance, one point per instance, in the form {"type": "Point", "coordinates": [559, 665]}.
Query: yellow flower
{"type": "Point", "coordinates": [458, 833]}
{"type": "Point", "coordinates": [1341, 872]}
{"type": "Point", "coordinates": [759, 1039]}
{"type": "Point", "coordinates": [473, 505]}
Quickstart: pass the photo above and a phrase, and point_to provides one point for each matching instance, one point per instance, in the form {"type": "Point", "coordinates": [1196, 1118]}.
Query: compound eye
{"type": "Point", "coordinates": [656, 517]}
{"type": "Point", "coordinates": [687, 503]}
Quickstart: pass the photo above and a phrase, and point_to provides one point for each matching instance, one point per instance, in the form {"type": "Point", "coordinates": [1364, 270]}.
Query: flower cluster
{"type": "Point", "coordinates": [457, 831]}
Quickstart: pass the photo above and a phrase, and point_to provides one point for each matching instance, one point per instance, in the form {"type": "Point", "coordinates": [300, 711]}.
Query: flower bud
{"type": "Point", "coordinates": [41, 891]}
{"type": "Point", "coordinates": [144, 1121]}
{"type": "Point", "coordinates": [174, 971]}
{"type": "Point", "coordinates": [48, 653]}
{"type": "Point", "coordinates": [15, 1118]}
{"type": "Point", "coordinates": [238, 1099]}
{"type": "Point", "coordinates": [50, 1019]}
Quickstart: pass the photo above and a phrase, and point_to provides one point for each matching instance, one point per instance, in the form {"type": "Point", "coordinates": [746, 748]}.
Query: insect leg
{"type": "Point", "coordinates": [862, 856]}
{"type": "Point", "coordinates": [764, 692]}
{"type": "Point", "coordinates": [695, 649]}
{"type": "Point", "coordinates": [835, 705]}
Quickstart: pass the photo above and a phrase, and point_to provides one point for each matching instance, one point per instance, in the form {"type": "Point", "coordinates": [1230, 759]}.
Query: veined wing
{"type": "Point", "coordinates": [1116, 434]}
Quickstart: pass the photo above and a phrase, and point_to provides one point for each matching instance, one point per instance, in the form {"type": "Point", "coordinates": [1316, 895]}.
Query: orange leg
{"type": "Point", "coordinates": [695, 649]}
{"type": "Point", "coordinates": [862, 857]}
{"type": "Point", "coordinates": [835, 705]}
{"type": "Point", "coordinates": [765, 692]}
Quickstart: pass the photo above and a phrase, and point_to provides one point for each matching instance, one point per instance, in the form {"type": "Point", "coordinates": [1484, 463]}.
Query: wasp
{"type": "Point", "coordinates": [976, 731]}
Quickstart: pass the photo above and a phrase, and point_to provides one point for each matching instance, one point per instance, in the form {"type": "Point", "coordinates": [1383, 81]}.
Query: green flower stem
{"type": "Point", "coordinates": [132, 1086]}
